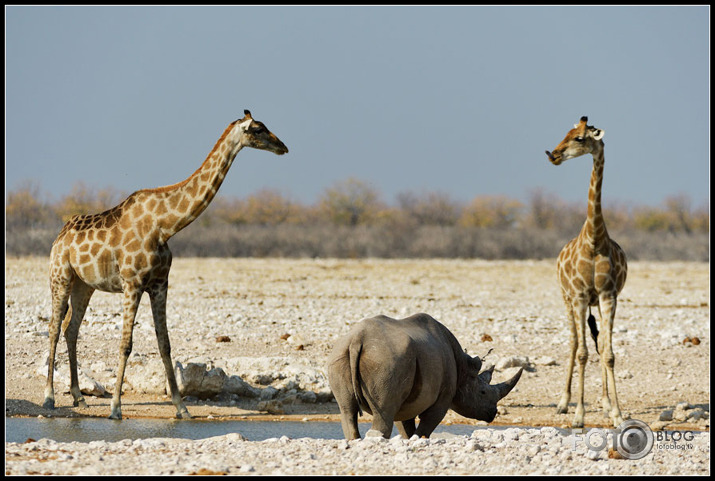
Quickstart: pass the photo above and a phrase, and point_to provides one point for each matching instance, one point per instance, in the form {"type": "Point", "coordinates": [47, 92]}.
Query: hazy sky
{"type": "Point", "coordinates": [459, 100]}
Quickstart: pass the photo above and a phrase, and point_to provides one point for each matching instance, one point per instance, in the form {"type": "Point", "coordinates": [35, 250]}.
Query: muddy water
{"type": "Point", "coordinates": [84, 430]}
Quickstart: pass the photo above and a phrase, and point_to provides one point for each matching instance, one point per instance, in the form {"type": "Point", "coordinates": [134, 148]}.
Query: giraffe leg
{"type": "Point", "coordinates": [61, 287]}
{"type": "Point", "coordinates": [158, 308]}
{"type": "Point", "coordinates": [608, 360]}
{"type": "Point", "coordinates": [580, 312]}
{"type": "Point", "coordinates": [605, 401]}
{"type": "Point", "coordinates": [81, 294]}
{"type": "Point", "coordinates": [563, 405]}
{"type": "Point", "coordinates": [132, 296]}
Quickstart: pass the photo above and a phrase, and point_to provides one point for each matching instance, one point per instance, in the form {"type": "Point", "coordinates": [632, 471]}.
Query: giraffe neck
{"type": "Point", "coordinates": [595, 227]}
{"type": "Point", "coordinates": [186, 200]}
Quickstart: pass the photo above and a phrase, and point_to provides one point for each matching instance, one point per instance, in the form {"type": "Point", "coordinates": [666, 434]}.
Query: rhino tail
{"type": "Point", "coordinates": [355, 351]}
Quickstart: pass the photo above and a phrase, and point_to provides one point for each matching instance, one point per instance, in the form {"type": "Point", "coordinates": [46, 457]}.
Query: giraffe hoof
{"type": "Point", "coordinates": [80, 403]}
{"type": "Point", "coordinates": [183, 415]}
{"type": "Point", "coordinates": [49, 404]}
{"type": "Point", "coordinates": [562, 409]}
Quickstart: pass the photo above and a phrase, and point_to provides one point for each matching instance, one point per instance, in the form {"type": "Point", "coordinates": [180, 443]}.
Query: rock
{"type": "Point", "coordinates": [658, 425]}
{"type": "Point", "coordinates": [271, 407]}
{"type": "Point", "coordinates": [268, 393]}
{"type": "Point", "coordinates": [296, 340]}
{"type": "Point", "coordinates": [196, 380]}
{"type": "Point", "coordinates": [373, 433]}
{"type": "Point", "coordinates": [680, 413]}
{"type": "Point", "coordinates": [512, 361]}
{"type": "Point", "coordinates": [473, 445]}
{"type": "Point", "coordinates": [307, 397]}
{"type": "Point", "coordinates": [666, 415]}
{"type": "Point", "coordinates": [236, 385]}
{"type": "Point", "coordinates": [89, 386]}
{"type": "Point", "coordinates": [694, 415]}
{"type": "Point", "coordinates": [593, 455]}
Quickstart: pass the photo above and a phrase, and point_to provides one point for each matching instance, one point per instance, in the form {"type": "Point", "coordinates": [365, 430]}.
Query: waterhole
{"type": "Point", "coordinates": [18, 430]}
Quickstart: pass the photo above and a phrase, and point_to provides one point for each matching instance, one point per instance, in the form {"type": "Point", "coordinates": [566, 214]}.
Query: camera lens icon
{"type": "Point", "coordinates": [634, 439]}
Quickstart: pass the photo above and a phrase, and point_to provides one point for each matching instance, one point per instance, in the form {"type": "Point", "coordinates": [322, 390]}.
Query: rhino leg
{"type": "Point", "coordinates": [431, 418]}
{"type": "Point", "coordinates": [341, 385]}
{"type": "Point", "coordinates": [382, 422]}
{"type": "Point", "coordinates": [406, 428]}
{"type": "Point", "coordinates": [348, 420]}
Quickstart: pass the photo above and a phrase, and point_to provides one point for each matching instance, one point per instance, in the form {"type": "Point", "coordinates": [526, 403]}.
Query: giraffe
{"type": "Point", "coordinates": [124, 250]}
{"type": "Point", "coordinates": [591, 271]}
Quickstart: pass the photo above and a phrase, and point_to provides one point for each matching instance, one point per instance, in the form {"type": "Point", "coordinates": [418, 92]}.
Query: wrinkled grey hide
{"type": "Point", "coordinates": [398, 370]}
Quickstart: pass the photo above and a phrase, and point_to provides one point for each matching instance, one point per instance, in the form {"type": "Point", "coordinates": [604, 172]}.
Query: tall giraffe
{"type": "Point", "coordinates": [124, 250]}
{"type": "Point", "coordinates": [592, 271]}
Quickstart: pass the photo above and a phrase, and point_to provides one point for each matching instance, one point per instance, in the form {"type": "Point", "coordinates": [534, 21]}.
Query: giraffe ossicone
{"type": "Point", "coordinates": [124, 250]}
{"type": "Point", "coordinates": [592, 271]}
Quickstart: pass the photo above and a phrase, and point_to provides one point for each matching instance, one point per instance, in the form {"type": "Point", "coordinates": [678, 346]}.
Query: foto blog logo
{"type": "Point", "coordinates": [633, 439]}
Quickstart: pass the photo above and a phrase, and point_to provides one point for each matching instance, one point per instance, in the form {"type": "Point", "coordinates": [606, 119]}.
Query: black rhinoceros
{"type": "Point", "coordinates": [398, 370]}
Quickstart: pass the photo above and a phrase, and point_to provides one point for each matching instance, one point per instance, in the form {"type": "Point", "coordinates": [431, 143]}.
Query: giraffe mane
{"type": "Point", "coordinates": [167, 188]}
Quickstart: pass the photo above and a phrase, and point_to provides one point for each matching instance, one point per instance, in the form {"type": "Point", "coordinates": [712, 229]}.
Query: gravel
{"type": "Point", "coordinates": [541, 451]}
{"type": "Point", "coordinates": [274, 321]}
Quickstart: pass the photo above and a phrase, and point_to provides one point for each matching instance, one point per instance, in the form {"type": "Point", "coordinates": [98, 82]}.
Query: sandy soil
{"type": "Point", "coordinates": [513, 308]}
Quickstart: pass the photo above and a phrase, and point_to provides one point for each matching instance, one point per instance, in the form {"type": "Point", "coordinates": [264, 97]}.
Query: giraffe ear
{"type": "Point", "coordinates": [598, 134]}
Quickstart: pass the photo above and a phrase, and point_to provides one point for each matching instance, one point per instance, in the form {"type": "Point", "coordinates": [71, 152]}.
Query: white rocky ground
{"type": "Point", "coordinates": [487, 452]}
{"type": "Point", "coordinates": [263, 328]}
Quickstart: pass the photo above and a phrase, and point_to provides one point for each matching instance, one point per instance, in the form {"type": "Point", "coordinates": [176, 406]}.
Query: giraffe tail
{"type": "Point", "coordinates": [594, 328]}
{"type": "Point", "coordinates": [67, 319]}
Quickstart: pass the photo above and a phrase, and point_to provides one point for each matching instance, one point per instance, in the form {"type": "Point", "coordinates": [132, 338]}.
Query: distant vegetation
{"type": "Point", "coordinates": [350, 220]}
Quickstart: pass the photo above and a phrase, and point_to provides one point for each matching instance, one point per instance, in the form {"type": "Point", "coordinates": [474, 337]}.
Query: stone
{"type": "Point", "coordinates": [196, 380]}
{"type": "Point", "coordinates": [236, 385]}
{"type": "Point", "coordinates": [512, 361]}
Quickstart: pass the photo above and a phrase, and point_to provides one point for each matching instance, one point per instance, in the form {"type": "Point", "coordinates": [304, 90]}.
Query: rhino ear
{"type": "Point", "coordinates": [475, 363]}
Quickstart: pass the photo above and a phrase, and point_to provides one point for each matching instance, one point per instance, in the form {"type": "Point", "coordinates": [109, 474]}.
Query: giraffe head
{"type": "Point", "coordinates": [582, 139]}
{"type": "Point", "coordinates": [253, 133]}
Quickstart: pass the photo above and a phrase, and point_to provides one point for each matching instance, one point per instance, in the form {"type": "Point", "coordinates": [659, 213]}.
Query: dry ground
{"type": "Point", "coordinates": [257, 301]}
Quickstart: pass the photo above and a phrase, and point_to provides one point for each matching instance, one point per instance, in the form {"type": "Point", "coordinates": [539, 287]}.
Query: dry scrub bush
{"type": "Point", "coordinates": [350, 220]}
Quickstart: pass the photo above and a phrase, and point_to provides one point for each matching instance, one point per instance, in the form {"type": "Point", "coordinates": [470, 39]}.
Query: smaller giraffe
{"type": "Point", "coordinates": [124, 250]}
{"type": "Point", "coordinates": [592, 272]}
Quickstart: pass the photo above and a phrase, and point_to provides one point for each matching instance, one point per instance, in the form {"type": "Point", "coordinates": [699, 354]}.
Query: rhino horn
{"type": "Point", "coordinates": [505, 387]}
{"type": "Point", "coordinates": [486, 375]}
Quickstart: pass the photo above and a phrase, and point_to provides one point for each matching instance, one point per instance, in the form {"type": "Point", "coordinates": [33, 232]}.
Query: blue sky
{"type": "Point", "coordinates": [459, 100]}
